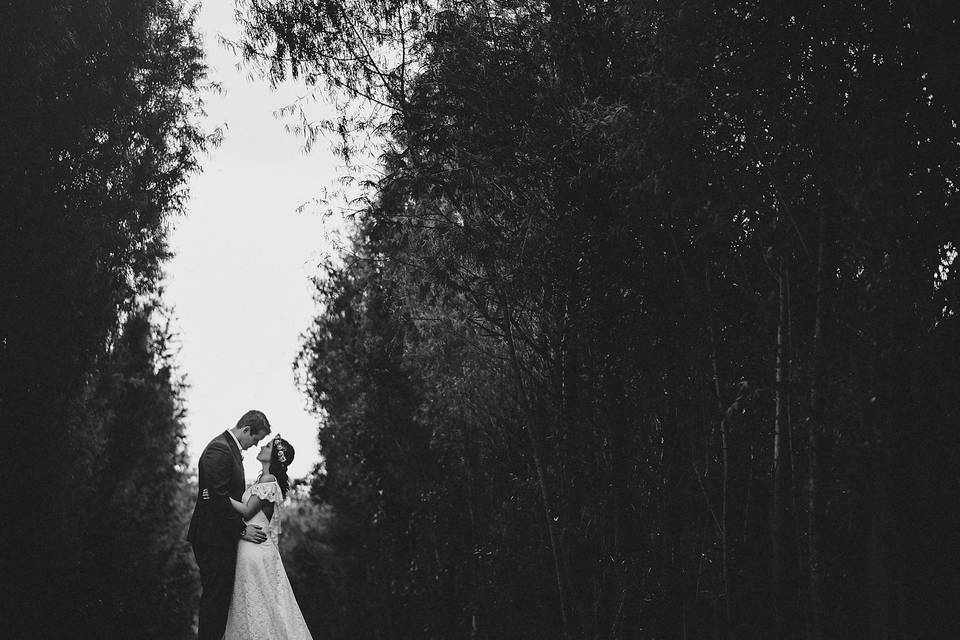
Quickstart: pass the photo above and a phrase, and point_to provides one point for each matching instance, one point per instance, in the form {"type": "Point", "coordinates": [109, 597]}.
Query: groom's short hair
{"type": "Point", "coordinates": [256, 420]}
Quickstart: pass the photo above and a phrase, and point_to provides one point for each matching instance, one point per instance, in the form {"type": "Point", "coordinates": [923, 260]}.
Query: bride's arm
{"type": "Point", "coordinates": [254, 503]}
{"type": "Point", "coordinates": [247, 510]}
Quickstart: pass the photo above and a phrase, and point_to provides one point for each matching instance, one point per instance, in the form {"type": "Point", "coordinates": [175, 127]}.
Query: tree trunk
{"type": "Point", "coordinates": [776, 506]}
{"type": "Point", "coordinates": [814, 427]}
{"type": "Point", "coordinates": [721, 416]}
{"type": "Point", "coordinates": [791, 481]}
{"type": "Point", "coordinates": [877, 586]}
{"type": "Point", "coordinates": [537, 453]}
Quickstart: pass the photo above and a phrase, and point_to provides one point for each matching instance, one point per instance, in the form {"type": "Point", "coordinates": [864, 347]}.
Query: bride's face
{"type": "Point", "coordinates": [265, 452]}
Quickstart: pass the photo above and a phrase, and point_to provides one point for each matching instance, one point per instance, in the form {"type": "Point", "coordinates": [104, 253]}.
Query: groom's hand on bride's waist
{"type": "Point", "coordinates": [253, 533]}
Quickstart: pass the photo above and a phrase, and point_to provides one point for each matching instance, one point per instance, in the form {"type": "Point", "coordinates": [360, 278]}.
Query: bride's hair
{"type": "Point", "coordinates": [280, 459]}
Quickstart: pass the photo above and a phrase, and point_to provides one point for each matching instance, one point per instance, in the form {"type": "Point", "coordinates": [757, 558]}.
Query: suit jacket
{"type": "Point", "coordinates": [220, 470]}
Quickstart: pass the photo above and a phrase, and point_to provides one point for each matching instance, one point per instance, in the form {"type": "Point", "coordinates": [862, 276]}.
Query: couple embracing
{"type": "Point", "coordinates": [234, 532]}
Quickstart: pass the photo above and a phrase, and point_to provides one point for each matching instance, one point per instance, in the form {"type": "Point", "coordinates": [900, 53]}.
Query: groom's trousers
{"type": "Point", "coordinates": [217, 565]}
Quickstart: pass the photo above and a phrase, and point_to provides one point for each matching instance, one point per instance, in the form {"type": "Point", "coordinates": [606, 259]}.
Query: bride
{"type": "Point", "coordinates": [263, 604]}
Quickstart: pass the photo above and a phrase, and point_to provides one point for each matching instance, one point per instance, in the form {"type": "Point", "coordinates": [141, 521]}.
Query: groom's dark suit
{"type": "Point", "coordinates": [215, 529]}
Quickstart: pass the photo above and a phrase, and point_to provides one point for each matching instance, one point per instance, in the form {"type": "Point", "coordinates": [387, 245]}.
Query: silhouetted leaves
{"type": "Point", "coordinates": [98, 128]}
{"type": "Point", "coordinates": [638, 337]}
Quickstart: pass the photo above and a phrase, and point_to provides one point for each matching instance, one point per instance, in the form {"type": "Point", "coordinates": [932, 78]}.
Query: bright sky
{"type": "Point", "coordinates": [239, 283]}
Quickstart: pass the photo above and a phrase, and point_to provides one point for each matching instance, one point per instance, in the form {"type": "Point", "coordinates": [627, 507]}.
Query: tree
{"type": "Point", "coordinates": [137, 499]}
{"type": "Point", "coordinates": [691, 256]}
{"type": "Point", "coordinates": [99, 131]}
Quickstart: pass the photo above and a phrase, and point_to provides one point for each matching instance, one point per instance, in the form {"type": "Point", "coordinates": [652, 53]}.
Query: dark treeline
{"type": "Point", "coordinates": [650, 328]}
{"type": "Point", "coordinates": [97, 136]}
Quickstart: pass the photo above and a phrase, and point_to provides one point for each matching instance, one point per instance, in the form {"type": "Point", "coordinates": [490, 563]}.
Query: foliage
{"type": "Point", "coordinates": [137, 499]}
{"type": "Point", "coordinates": [98, 129]}
{"type": "Point", "coordinates": [642, 334]}
{"type": "Point", "coordinates": [311, 565]}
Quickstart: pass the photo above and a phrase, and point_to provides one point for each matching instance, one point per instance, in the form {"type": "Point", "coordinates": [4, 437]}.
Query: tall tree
{"type": "Point", "coordinates": [99, 135]}
{"type": "Point", "coordinates": [696, 252]}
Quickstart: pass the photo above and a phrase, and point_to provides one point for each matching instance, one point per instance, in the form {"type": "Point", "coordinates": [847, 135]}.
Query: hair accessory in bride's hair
{"type": "Point", "coordinates": [279, 449]}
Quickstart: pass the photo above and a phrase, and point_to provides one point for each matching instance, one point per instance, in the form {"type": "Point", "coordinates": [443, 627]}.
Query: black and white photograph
{"type": "Point", "coordinates": [480, 319]}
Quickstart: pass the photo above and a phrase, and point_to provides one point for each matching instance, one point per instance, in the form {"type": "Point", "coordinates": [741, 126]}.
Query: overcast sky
{"type": "Point", "coordinates": [239, 283]}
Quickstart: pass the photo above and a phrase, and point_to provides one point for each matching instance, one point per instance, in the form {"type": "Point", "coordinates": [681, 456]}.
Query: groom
{"type": "Point", "coordinates": [216, 526]}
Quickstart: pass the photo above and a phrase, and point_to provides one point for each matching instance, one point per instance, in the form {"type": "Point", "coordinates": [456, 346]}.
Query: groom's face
{"type": "Point", "coordinates": [249, 438]}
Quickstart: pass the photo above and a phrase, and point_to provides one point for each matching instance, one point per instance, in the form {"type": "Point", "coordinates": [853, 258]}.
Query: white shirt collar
{"type": "Point", "coordinates": [235, 440]}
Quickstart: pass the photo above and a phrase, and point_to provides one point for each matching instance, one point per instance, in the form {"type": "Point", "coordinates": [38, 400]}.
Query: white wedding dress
{"type": "Point", "coordinates": [263, 606]}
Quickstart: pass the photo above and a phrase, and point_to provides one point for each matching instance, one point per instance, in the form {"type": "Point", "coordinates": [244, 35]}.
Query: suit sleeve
{"type": "Point", "coordinates": [217, 463]}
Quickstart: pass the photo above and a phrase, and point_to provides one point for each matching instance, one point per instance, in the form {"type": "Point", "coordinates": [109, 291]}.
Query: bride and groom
{"type": "Point", "coordinates": [234, 532]}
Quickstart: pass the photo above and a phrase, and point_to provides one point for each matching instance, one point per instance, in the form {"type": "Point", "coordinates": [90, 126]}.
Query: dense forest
{"type": "Point", "coordinates": [98, 129]}
{"type": "Point", "coordinates": [648, 326]}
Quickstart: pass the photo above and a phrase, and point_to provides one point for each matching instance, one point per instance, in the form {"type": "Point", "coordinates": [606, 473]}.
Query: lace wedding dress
{"type": "Point", "coordinates": [263, 606]}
